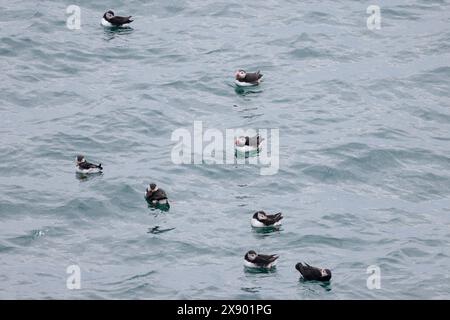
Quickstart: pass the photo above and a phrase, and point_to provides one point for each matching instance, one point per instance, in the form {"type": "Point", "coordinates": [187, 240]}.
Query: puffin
{"type": "Point", "coordinates": [263, 220]}
{"type": "Point", "coordinates": [155, 195]}
{"type": "Point", "coordinates": [110, 20]}
{"type": "Point", "coordinates": [248, 141]}
{"type": "Point", "coordinates": [313, 273]}
{"type": "Point", "coordinates": [254, 260]}
{"type": "Point", "coordinates": [86, 167]}
{"type": "Point", "coordinates": [245, 79]}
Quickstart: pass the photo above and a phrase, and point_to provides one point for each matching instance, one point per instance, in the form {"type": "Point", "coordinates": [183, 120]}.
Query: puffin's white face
{"type": "Point", "coordinates": [109, 15]}
{"type": "Point", "coordinates": [261, 216]}
{"type": "Point", "coordinates": [240, 142]}
{"type": "Point", "coordinates": [252, 256]}
{"type": "Point", "coordinates": [323, 272]}
{"type": "Point", "coordinates": [80, 161]}
{"type": "Point", "coordinates": [240, 74]}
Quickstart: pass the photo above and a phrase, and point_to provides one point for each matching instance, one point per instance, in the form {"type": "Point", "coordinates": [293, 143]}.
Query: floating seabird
{"type": "Point", "coordinates": [247, 79]}
{"type": "Point", "coordinates": [243, 141]}
{"type": "Point", "coordinates": [248, 146]}
{"type": "Point", "coordinates": [313, 273]}
{"type": "Point", "coordinates": [155, 195]}
{"type": "Point", "coordinates": [262, 220]}
{"type": "Point", "coordinates": [254, 260]}
{"type": "Point", "coordinates": [110, 20]}
{"type": "Point", "coordinates": [86, 167]}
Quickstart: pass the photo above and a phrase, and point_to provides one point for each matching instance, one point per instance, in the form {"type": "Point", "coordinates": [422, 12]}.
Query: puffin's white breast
{"type": "Point", "coordinates": [245, 84]}
{"type": "Point", "coordinates": [249, 264]}
{"type": "Point", "coordinates": [257, 224]}
{"type": "Point", "coordinates": [90, 170]}
{"type": "Point", "coordinates": [106, 23]}
{"type": "Point", "coordinates": [244, 149]}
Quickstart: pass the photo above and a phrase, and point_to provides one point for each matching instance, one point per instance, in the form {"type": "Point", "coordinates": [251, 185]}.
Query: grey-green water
{"type": "Point", "coordinates": [363, 118]}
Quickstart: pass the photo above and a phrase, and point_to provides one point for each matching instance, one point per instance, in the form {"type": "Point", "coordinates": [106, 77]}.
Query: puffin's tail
{"type": "Point", "coordinates": [100, 166]}
{"type": "Point", "coordinates": [278, 216]}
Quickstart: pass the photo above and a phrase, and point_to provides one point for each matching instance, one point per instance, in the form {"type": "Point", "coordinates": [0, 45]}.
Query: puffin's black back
{"type": "Point", "coordinates": [264, 259]}
{"type": "Point", "coordinates": [117, 20]}
{"type": "Point", "coordinates": [312, 273]}
{"type": "Point", "coordinates": [252, 77]}
{"type": "Point", "coordinates": [271, 218]}
{"type": "Point", "coordinates": [159, 194]}
{"type": "Point", "coordinates": [253, 141]}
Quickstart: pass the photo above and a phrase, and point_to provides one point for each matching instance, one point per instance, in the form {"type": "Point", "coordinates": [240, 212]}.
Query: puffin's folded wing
{"type": "Point", "coordinates": [252, 77]}
{"type": "Point", "coordinates": [263, 259]}
{"type": "Point", "coordinates": [117, 20]}
{"type": "Point", "coordinates": [255, 141]}
{"type": "Point", "coordinates": [268, 222]}
{"type": "Point", "coordinates": [308, 272]}
{"type": "Point", "coordinates": [91, 166]}
{"type": "Point", "coordinates": [271, 219]}
{"type": "Point", "coordinates": [88, 165]}
{"type": "Point", "coordinates": [159, 195]}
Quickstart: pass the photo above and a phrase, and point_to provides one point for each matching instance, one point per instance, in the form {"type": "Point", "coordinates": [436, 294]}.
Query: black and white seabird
{"type": "Point", "coordinates": [254, 260]}
{"type": "Point", "coordinates": [86, 167]}
{"type": "Point", "coordinates": [263, 220]}
{"type": "Point", "coordinates": [248, 141]}
{"type": "Point", "coordinates": [155, 195]}
{"type": "Point", "coordinates": [110, 20]}
{"type": "Point", "coordinates": [313, 273]}
{"type": "Point", "coordinates": [247, 146]}
{"type": "Point", "coordinates": [245, 79]}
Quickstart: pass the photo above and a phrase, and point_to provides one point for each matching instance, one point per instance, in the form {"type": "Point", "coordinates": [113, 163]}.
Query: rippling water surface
{"type": "Point", "coordinates": [363, 118]}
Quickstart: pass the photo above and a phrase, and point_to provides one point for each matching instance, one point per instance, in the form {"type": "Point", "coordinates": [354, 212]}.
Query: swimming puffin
{"type": "Point", "coordinates": [110, 20]}
{"type": "Point", "coordinates": [248, 141]}
{"type": "Point", "coordinates": [247, 146]}
{"type": "Point", "coordinates": [263, 220]}
{"type": "Point", "coordinates": [245, 79]}
{"type": "Point", "coordinates": [155, 195]}
{"type": "Point", "coordinates": [86, 167]}
{"type": "Point", "coordinates": [313, 273]}
{"type": "Point", "coordinates": [254, 260]}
